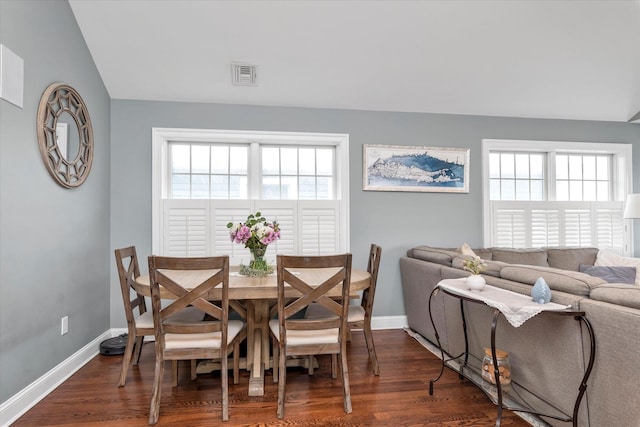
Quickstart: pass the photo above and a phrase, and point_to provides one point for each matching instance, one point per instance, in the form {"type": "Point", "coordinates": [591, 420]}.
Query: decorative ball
{"type": "Point", "coordinates": [541, 293]}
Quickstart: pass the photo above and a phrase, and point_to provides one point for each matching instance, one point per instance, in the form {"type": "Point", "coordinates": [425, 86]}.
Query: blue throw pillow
{"type": "Point", "coordinates": [611, 274]}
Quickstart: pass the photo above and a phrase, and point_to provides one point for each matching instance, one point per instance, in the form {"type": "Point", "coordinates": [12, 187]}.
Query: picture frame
{"type": "Point", "coordinates": [415, 168]}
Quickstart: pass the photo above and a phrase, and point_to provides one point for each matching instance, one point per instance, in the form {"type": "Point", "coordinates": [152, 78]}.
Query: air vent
{"type": "Point", "coordinates": [244, 74]}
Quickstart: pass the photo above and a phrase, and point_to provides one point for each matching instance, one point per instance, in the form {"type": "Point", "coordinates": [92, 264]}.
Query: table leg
{"type": "Point", "coordinates": [257, 344]}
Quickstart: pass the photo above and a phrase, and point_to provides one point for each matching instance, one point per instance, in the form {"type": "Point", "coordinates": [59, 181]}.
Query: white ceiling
{"type": "Point", "coordinates": [541, 59]}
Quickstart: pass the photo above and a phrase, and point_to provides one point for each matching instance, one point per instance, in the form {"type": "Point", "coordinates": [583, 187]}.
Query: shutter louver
{"type": "Point", "coordinates": [319, 229]}
{"type": "Point", "coordinates": [577, 229]}
{"type": "Point", "coordinates": [510, 228]}
{"type": "Point", "coordinates": [609, 228]}
{"type": "Point", "coordinates": [186, 228]}
{"type": "Point", "coordinates": [545, 227]}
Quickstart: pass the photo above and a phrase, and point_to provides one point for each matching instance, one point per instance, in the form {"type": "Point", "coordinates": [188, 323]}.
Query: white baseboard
{"type": "Point", "coordinates": [389, 322]}
{"type": "Point", "coordinates": [25, 399]}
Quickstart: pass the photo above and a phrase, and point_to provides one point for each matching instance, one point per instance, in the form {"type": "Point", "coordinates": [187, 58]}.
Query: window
{"type": "Point", "coordinates": [204, 179]}
{"type": "Point", "coordinates": [556, 194]}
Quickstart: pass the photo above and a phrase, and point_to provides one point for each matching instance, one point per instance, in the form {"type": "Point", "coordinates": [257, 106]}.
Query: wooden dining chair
{"type": "Point", "coordinates": [303, 337]}
{"type": "Point", "coordinates": [141, 324]}
{"type": "Point", "coordinates": [359, 317]}
{"type": "Point", "coordinates": [213, 338]}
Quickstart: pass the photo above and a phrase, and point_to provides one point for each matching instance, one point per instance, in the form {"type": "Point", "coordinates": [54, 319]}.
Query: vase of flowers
{"type": "Point", "coordinates": [256, 233]}
{"type": "Point", "coordinates": [475, 265]}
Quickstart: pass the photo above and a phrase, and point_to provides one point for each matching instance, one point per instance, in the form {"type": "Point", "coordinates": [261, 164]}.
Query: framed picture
{"type": "Point", "coordinates": [426, 169]}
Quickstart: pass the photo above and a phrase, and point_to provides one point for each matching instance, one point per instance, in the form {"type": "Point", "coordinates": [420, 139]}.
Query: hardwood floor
{"type": "Point", "coordinates": [398, 397]}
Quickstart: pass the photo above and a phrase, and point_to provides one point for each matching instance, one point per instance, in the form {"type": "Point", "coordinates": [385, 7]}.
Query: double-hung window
{"type": "Point", "coordinates": [540, 193]}
{"type": "Point", "coordinates": [204, 179]}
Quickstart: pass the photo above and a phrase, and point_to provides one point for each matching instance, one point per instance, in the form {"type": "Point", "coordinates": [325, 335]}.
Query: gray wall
{"type": "Point", "coordinates": [55, 254]}
{"type": "Point", "coordinates": [54, 245]}
{"type": "Point", "coordinates": [396, 221]}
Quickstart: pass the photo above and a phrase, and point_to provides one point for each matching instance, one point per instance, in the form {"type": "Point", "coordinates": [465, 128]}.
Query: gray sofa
{"type": "Point", "coordinates": [549, 353]}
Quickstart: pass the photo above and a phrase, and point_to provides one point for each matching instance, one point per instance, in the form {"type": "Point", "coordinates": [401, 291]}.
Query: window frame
{"type": "Point", "coordinates": [621, 173]}
{"type": "Point", "coordinates": [160, 172]}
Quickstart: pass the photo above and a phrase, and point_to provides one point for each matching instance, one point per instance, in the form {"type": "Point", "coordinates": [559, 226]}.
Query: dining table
{"type": "Point", "coordinates": [254, 299]}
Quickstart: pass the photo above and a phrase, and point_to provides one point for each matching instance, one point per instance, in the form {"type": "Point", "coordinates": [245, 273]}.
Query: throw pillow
{"type": "Point", "coordinates": [465, 249]}
{"type": "Point", "coordinates": [612, 274]}
{"type": "Point", "coordinates": [610, 258]}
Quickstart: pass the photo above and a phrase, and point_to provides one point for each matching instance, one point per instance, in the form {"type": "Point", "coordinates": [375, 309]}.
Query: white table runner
{"type": "Point", "coordinates": [516, 308]}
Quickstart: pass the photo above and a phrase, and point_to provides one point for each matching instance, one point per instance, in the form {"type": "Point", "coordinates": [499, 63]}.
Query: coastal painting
{"type": "Point", "coordinates": [404, 168]}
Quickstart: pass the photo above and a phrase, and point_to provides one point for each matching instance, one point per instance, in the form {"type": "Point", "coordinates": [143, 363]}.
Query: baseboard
{"type": "Point", "coordinates": [25, 399]}
{"type": "Point", "coordinates": [389, 322]}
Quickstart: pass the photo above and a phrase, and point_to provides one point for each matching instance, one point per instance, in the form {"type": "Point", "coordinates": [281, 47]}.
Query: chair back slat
{"type": "Point", "coordinates": [159, 275]}
{"type": "Point", "coordinates": [373, 266]}
{"type": "Point", "coordinates": [128, 271]}
{"type": "Point", "coordinates": [291, 272]}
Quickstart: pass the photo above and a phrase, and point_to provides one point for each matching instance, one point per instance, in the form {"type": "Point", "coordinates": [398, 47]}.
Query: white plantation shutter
{"type": "Point", "coordinates": [577, 227]}
{"type": "Point", "coordinates": [540, 223]}
{"type": "Point", "coordinates": [511, 227]}
{"type": "Point", "coordinates": [186, 228]}
{"type": "Point", "coordinates": [545, 227]}
{"type": "Point", "coordinates": [224, 212]}
{"type": "Point", "coordinates": [199, 227]}
{"type": "Point", "coordinates": [319, 227]}
{"type": "Point", "coordinates": [609, 227]}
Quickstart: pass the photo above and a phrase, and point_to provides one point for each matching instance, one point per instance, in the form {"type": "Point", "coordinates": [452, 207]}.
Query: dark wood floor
{"type": "Point", "coordinates": [398, 397]}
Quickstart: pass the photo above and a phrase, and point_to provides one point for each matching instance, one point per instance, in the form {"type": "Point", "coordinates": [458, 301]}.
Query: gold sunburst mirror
{"type": "Point", "coordinates": [65, 135]}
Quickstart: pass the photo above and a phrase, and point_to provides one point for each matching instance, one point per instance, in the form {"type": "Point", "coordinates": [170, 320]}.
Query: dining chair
{"type": "Point", "coordinates": [213, 338]}
{"type": "Point", "coordinates": [359, 317]}
{"type": "Point", "coordinates": [141, 325]}
{"type": "Point", "coordinates": [294, 336]}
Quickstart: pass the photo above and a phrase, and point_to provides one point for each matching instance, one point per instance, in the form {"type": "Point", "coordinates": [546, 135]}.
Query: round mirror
{"type": "Point", "coordinates": [65, 135]}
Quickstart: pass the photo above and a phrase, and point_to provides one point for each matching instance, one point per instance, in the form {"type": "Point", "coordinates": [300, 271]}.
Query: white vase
{"type": "Point", "coordinates": [476, 282]}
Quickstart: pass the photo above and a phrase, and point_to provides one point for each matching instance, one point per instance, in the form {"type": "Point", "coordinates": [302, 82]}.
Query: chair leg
{"type": "Point", "coordinates": [138, 349]}
{"type": "Point", "coordinates": [368, 336]}
{"type": "Point", "coordinates": [236, 362]}
{"type": "Point", "coordinates": [194, 370]}
{"type": "Point", "coordinates": [224, 379]}
{"type": "Point", "coordinates": [276, 360]}
{"type": "Point", "coordinates": [154, 411]}
{"type": "Point", "coordinates": [310, 362]}
{"type": "Point", "coordinates": [281, 381]}
{"type": "Point", "coordinates": [334, 366]}
{"type": "Point", "coordinates": [128, 352]}
{"type": "Point", "coordinates": [174, 373]}
{"type": "Point", "coordinates": [345, 381]}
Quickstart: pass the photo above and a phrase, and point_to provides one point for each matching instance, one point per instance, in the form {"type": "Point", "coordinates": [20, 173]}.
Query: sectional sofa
{"type": "Point", "coordinates": [548, 354]}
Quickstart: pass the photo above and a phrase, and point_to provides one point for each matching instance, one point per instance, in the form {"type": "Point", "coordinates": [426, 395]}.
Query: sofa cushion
{"type": "Point", "coordinates": [617, 293]}
{"type": "Point", "coordinates": [570, 258]}
{"type": "Point", "coordinates": [610, 258]}
{"type": "Point", "coordinates": [572, 282]}
{"type": "Point", "coordinates": [529, 256]}
{"type": "Point", "coordinates": [437, 255]}
{"type": "Point", "coordinates": [612, 274]}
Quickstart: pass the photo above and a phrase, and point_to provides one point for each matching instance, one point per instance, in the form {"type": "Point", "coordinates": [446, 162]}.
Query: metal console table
{"type": "Point", "coordinates": [514, 397]}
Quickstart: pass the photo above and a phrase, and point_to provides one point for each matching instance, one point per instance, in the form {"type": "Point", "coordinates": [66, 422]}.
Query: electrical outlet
{"type": "Point", "coordinates": [64, 325]}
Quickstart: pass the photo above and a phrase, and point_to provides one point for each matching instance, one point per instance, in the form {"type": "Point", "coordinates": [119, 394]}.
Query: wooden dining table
{"type": "Point", "coordinates": [255, 298]}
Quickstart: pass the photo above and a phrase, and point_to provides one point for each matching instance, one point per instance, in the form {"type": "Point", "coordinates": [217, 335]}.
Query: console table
{"type": "Point", "coordinates": [517, 309]}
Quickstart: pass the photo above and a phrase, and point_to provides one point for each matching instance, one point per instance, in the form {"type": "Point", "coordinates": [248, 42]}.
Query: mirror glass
{"type": "Point", "coordinates": [67, 136]}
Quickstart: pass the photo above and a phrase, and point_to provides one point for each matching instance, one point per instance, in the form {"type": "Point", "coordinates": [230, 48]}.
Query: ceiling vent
{"type": "Point", "coordinates": [244, 74]}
